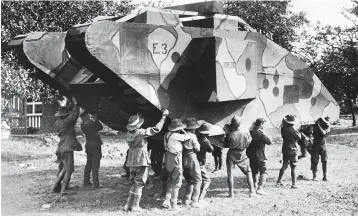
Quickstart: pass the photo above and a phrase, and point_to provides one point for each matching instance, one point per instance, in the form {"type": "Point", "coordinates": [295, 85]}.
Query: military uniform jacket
{"type": "Point", "coordinates": [192, 145]}
{"type": "Point", "coordinates": [205, 146]}
{"type": "Point", "coordinates": [290, 138]}
{"type": "Point", "coordinates": [137, 141]}
{"type": "Point", "coordinates": [91, 128]}
{"type": "Point", "coordinates": [256, 149]}
{"type": "Point", "coordinates": [319, 139]}
{"type": "Point", "coordinates": [237, 141]}
{"type": "Point", "coordinates": [66, 132]}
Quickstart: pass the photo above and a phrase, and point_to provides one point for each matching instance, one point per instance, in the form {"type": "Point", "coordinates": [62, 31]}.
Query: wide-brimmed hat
{"type": "Point", "coordinates": [205, 128]}
{"type": "Point", "coordinates": [176, 125]}
{"type": "Point", "coordinates": [259, 121]}
{"type": "Point", "coordinates": [134, 122]}
{"type": "Point", "coordinates": [290, 119]}
{"type": "Point", "coordinates": [191, 123]}
{"type": "Point", "coordinates": [62, 111]}
{"type": "Point", "coordinates": [235, 121]}
{"type": "Point", "coordinates": [325, 119]}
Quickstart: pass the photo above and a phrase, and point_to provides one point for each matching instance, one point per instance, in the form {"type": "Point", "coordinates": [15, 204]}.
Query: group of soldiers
{"type": "Point", "coordinates": [186, 145]}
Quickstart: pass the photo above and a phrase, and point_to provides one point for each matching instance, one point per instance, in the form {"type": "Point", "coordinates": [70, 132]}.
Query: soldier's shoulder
{"type": "Point", "coordinates": [193, 135]}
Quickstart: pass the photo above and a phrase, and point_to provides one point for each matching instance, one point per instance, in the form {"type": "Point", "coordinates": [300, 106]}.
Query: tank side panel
{"type": "Point", "coordinates": [287, 85]}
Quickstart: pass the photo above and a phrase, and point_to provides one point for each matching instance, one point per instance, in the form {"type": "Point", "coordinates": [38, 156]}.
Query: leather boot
{"type": "Point", "coordinates": [136, 200]}
{"type": "Point", "coordinates": [324, 169]}
{"type": "Point", "coordinates": [261, 184]}
{"type": "Point", "coordinates": [87, 183]}
{"type": "Point", "coordinates": [56, 188]}
{"type": "Point", "coordinates": [64, 188]}
{"type": "Point", "coordinates": [188, 194]}
{"type": "Point", "coordinates": [168, 195]}
{"type": "Point", "coordinates": [86, 178]}
{"type": "Point", "coordinates": [95, 181]}
{"type": "Point", "coordinates": [204, 189]}
{"type": "Point", "coordinates": [195, 195]}
{"type": "Point", "coordinates": [314, 178]}
{"type": "Point", "coordinates": [174, 198]}
{"type": "Point", "coordinates": [130, 199]}
{"type": "Point", "coordinates": [280, 175]}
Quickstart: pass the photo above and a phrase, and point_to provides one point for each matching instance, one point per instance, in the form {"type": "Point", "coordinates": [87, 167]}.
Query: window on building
{"type": "Point", "coordinates": [33, 108]}
{"type": "Point", "coordinates": [29, 109]}
{"type": "Point", "coordinates": [38, 109]}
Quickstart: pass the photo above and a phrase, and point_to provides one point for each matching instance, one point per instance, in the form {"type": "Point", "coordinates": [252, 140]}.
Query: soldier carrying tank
{"type": "Point", "coordinates": [90, 126]}
{"type": "Point", "coordinates": [147, 62]}
{"type": "Point", "coordinates": [67, 145]}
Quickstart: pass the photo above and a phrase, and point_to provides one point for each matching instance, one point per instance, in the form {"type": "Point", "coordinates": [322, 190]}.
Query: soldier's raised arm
{"type": "Point", "coordinates": [266, 138]}
{"type": "Point", "coordinates": [186, 136]}
{"type": "Point", "coordinates": [297, 134]}
{"type": "Point", "coordinates": [206, 144]}
{"type": "Point", "coordinates": [72, 118]}
{"type": "Point", "coordinates": [196, 144]}
{"type": "Point", "coordinates": [323, 131]}
{"type": "Point", "coordinates": [151, 131]}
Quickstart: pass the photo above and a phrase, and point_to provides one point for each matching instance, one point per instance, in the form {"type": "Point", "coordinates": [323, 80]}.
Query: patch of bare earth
{"type": "Point", "coordinates": [28, 172]}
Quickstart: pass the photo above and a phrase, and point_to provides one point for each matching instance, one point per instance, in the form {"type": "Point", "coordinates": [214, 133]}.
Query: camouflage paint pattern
{"type": "Point", "coordinates": [46, 51]}
{"type": "Point", "coordinates": [196, 63]}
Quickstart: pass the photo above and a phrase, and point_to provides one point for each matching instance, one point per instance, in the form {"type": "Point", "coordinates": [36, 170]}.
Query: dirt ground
{"type": "Point", "coordinates": [28, 171]}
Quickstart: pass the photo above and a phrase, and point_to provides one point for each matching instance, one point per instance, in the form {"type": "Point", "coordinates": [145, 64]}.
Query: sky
{"type": "Point", "coordinates": [325, 11]}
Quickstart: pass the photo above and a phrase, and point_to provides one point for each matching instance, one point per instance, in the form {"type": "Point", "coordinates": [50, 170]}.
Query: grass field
{"type": "Point", "coordinates": [28, 170]}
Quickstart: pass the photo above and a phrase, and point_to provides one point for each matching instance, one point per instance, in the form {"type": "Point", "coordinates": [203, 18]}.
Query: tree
{"type": "Point", "coordinates": [273, 19]}
{"type": "Point", "coordinates": [338, 65]}
{"type": "Point", "coordinates": [22, 17]}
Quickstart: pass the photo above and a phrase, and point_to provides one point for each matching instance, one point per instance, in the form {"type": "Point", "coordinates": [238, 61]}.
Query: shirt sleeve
{"type": "Point", "coordinates": [296, 134]}
{"type": "Point", "coordinates": [196, 145]}
{"type": "Point", "coordinates": [151, 131]}
{"type": "Point", "coordinates": [128, 139]}
{"type": "Point", "coordinates": [266, 138]}
{"type": "Point", "coordinates": [248, 139]}
{"type": "Point", "coordinates": [328, 129]}
{"type": "Point", "coordinates": [181, 137]}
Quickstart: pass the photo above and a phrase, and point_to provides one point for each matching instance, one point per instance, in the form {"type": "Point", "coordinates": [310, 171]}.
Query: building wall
{"type": "Point", "coordinates": [38, 115]}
